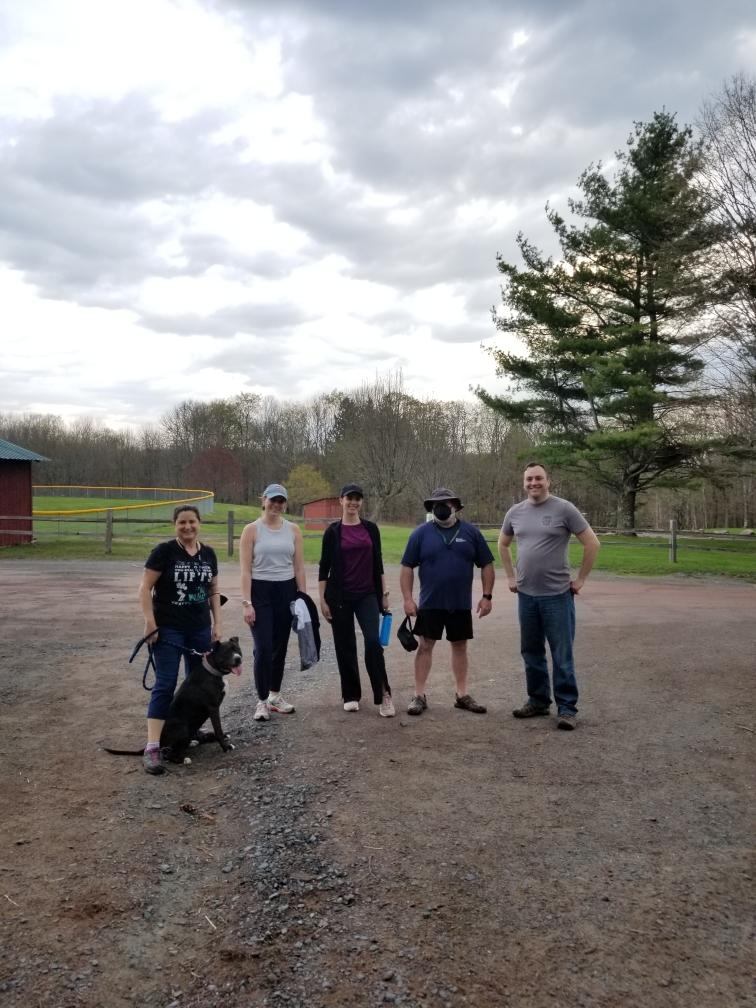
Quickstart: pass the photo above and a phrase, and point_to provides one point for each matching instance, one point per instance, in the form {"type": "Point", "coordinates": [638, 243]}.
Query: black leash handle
{"type": "Point", "coordinates": [151, 658]}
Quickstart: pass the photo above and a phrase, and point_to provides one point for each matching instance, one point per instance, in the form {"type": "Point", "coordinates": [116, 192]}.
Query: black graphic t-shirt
{"type": "Point", "coordinates": [181, 593]}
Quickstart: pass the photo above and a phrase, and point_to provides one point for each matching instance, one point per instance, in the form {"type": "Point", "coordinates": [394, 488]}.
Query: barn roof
{"type": "Point", "coordinates": [15, 453]}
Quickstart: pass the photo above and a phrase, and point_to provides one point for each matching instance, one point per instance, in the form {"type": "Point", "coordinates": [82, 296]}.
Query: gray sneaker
{"type": "Point", "coordinates": [417, 705]}
{"type": "Point", "coordinates": [567, 721]}
{"type": "Point", "coordinates": [152, 760]}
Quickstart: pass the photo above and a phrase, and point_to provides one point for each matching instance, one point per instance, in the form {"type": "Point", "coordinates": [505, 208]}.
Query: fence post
{"type": "Point", "coordinates": [108, 531]}
{"type": "Point", "coordinates": [230, 526]}
{"type": "Point", "coordinates": [672, 540]}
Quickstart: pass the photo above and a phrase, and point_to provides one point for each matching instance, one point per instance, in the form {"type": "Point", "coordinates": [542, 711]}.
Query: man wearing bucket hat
{"type": "Point", "coordinates": [446, 550]}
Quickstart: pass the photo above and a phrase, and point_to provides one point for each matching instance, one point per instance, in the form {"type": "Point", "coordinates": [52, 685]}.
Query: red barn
{"type": "Point", "coordinates": [16, 493]}
{"type": "Point", "coordinates": [318, 513]}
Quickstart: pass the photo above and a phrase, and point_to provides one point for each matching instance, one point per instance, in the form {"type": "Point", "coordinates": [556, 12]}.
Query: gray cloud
{"type": "Point", "coordinates": [409, 98]}
{"type": "Point", "coordinates": [248, 319]}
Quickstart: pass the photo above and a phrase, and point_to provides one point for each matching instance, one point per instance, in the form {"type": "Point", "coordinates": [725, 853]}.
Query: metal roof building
{"type": "Point", "coordinates": [16, 493]}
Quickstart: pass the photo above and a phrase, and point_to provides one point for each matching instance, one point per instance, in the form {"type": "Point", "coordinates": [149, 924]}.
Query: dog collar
{"type": "Point", "coordinates": [209, 668]}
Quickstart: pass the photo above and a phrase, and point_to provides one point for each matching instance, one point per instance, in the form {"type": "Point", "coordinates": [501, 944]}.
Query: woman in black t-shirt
{"type": "Point", "coordinates": [181, 604]}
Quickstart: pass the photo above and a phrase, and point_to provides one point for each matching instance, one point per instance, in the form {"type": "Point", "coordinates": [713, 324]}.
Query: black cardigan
{"type": "Point", "coordinates": [331, 568]}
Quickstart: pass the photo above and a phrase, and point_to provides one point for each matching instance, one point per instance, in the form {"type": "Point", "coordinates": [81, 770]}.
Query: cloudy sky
{"type": "Point", "coordinates": [205, 197]}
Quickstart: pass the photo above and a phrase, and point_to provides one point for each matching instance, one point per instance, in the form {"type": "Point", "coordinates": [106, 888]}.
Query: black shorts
{"type": "Point", "coordinates": [431, 623]}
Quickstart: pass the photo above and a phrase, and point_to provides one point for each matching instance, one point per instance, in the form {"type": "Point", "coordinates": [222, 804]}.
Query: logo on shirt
{"type": "Point", "coordinates": [546, 520]}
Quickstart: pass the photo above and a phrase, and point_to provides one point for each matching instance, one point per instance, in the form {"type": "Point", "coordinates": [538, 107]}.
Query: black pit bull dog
{"type": "Point", "coordinates": [198, 698]}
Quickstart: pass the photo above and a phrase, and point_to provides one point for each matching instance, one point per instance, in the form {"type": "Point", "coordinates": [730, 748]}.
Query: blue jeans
{"type": "Point", "coordinates": [548, 618]}
{"type": "Point", "coordinates": [167, 661]}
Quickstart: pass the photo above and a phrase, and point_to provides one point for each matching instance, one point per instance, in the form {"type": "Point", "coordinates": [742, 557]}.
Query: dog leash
{"type": "Point", "coordinates": [151, 658]}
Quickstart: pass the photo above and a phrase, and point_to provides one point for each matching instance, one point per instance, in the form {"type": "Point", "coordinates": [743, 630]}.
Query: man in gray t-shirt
{"type": "Point", "coordinates": [542, 525]}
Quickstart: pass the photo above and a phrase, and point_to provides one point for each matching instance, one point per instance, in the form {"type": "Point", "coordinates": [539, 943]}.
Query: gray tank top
{"type": "Point", "coordinates": [273, 558]}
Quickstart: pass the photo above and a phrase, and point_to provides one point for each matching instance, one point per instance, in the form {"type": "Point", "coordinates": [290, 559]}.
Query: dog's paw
{"type": "Point", "coordinates": [187, 761]}
{"type": "Point", "coordinates": [194, 743]}
{"type": "Point", "coordinates": [227, 746]}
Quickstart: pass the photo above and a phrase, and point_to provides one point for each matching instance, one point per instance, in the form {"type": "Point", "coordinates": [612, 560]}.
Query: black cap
{"type": "Point", "coordinates": [406, 636]}
{"type": "Point", "coordinates": [352, 488]}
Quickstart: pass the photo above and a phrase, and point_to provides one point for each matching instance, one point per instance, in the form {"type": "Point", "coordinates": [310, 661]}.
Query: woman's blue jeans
{"type": "Point", "coordinates": [167, 660]}
{"type": "Point", "coordinates": [548, 618]}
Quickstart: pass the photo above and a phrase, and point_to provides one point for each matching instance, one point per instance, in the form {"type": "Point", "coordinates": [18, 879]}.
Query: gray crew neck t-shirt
{"type": "Point", "coordinates": [542, 532]}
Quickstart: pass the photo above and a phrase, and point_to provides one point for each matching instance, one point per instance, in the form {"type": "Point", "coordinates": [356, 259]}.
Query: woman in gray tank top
{"type": "Point", "coordinates": [272, 571]}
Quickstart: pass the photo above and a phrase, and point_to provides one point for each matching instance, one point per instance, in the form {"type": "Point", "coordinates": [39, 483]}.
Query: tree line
{"type": "Point", "coordinates": [634, 377]}
{"type": "Point", "coordinates": [398, 446]}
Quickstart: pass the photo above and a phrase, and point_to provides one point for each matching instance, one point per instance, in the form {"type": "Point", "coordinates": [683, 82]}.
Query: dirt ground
{"type": "Point", "coordinates": [344, 859]}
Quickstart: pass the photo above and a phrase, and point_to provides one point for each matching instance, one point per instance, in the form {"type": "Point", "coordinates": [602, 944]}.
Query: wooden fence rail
{"type": "Point", "coordinates": [111, 519]}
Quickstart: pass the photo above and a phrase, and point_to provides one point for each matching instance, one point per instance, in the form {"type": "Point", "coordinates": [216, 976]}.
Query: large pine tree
{"type": "Point", "coordinates": [611, 328]}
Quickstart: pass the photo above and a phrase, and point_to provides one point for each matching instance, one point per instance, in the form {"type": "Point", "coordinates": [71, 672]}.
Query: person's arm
{"type": "Point", "coordinates": [505, 541]}
{"type": "Point", "coordinates": [406, 582]}
{"type": "Point", "coordinates": [215, 609]}
{"type": "Point", "coordinates": [591, 546]}
{"type": "Point", "coordinates": [324, 607]}
{"type": "Point", "coordinates": [149, 580]}
{"type": "Point", "coordinates": [383, 601]}
{"type": "Point", "coordinates": [246, 555]}
{"type": "Point", "coordinates": [487, 578]}
{"type": "Point", "coordinates": [324, 570]}
{"type": "Point", "coordinates": [300, 574]}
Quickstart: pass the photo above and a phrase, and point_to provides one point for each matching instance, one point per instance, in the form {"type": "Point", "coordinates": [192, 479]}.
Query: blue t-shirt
{"type": "Point", "coordinates": [446, 558]}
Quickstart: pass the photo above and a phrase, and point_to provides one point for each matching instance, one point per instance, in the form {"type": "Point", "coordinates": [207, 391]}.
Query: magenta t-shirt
{"type": "Point", "coordinates": [357, 556]}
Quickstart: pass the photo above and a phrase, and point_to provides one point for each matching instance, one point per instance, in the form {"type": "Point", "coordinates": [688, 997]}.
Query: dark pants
{"type": "Point", "coordinates": [271, 631]}
{"type": "Point", "coordinates": [549, 618]}
{"type": "Point", "coordinates": [345, 642]}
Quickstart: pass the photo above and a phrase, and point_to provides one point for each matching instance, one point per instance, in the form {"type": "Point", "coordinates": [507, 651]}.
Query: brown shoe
{"type": "Point", "coordinates": [530, 710]}
{"type": "Point", "coordinates": [567, 722]}
{"type": "Point", "coordinates": [466, 702]}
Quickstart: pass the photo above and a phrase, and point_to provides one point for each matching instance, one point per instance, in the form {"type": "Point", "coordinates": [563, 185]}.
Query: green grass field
{"type": "Point", "coordinates": [83, 539]}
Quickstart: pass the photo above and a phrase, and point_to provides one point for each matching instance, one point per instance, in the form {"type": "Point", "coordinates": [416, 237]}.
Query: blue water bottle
{"type": "Point", "coordinates": [385, 634]}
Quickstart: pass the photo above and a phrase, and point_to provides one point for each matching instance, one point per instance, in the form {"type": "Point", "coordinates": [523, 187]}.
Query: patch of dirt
{"type": "Point", "coordinates": [343, 859]}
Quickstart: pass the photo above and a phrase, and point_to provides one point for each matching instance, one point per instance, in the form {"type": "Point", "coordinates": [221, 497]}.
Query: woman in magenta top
{"type": "Point", "coordinates": [352, 584]}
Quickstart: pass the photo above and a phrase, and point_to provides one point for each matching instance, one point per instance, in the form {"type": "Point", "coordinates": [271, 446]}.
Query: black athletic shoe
{"type": "Point", "coordinates": [530, 710]}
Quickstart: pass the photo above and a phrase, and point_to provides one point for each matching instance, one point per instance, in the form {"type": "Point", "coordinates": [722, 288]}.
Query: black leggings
{"type": "Point", "coordinates": [270, 632]}
{"type": "Point", "coordinates": [345, 643]}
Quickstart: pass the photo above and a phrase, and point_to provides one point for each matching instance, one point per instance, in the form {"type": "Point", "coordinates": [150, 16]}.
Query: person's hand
{"type": "Point", "coordinates": [215, 634]}
{"type": "Point", "coordinates": [150, 628]}
{"type": "Point", "coordinates": [249, 615]}
{"type": "Point", "coordinates": [410, 609]}
{"type": "Point", "coordinates": [484, 607]}
{"type": "Point", "coordinates": [576, 585]}
{"type": "Point", "coordinates": [326, 610]}
{"type": "Point", "coordinates": [512, 584]}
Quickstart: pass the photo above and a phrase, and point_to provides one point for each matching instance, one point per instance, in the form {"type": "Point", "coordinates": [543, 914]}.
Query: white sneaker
{"type": "Point", "coordinates": [262, 711]}
{"type": "Point", "coordinates": [387, 708]}
{"type": "Point", "coordinates": [351, 705]}
{"type": "Point", "coordinates": [277, 704]}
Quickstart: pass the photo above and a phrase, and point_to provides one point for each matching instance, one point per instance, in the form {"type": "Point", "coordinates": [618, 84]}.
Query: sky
{"type": "Point", "coordinates": [205, 197]}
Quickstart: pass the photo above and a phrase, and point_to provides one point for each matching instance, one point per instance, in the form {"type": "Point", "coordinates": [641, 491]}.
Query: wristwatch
{"type": "Point", "coordinates": [489, 597]}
